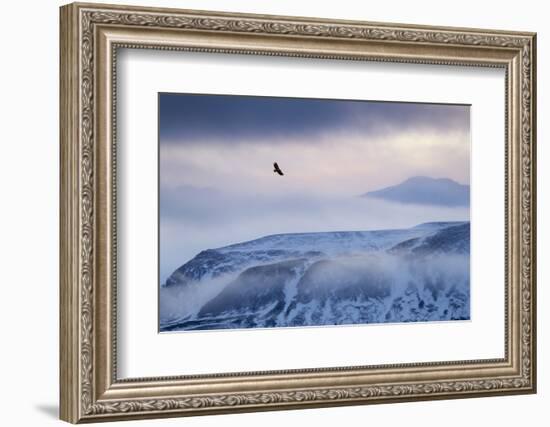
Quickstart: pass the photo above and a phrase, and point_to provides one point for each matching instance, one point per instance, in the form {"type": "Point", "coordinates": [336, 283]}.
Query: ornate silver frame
{"type": "Point", "coordinates": [90, 36]}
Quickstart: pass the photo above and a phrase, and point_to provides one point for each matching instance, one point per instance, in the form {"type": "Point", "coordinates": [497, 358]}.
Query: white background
{"type": "Point", "coordinates": [29, 171]}
{"type": "Point", "coordinates": [145, 353]}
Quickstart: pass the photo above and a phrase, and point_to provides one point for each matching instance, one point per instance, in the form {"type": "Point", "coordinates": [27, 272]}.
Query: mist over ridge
{"type": "Point", "coordinates": [203, 217]}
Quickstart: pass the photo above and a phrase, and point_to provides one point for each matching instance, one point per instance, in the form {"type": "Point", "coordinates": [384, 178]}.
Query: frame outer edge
{"type": "Point", "coordinates": [533, 112]}
{"type": "Point", "coordinates": [69, 355]}
{"type": "Point", "coordinates": [78, 340]}
{"type": "Point", "coordinates": [305, 19]}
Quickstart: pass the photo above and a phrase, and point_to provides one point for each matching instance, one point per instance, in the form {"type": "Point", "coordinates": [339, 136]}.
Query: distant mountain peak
{"type": "Point", "coordinates": [424, 190]}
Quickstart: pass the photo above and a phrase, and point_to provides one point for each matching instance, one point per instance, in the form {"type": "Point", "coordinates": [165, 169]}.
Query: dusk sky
{"type": "Point", "coordinates": [217, 184]}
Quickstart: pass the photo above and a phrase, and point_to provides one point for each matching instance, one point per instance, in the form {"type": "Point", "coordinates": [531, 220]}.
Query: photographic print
{"type": "Point", "coordinates": [297, 212]}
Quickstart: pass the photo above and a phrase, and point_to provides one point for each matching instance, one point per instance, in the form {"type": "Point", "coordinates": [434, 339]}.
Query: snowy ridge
{"type": "Point", "coordinates": [304, 279]}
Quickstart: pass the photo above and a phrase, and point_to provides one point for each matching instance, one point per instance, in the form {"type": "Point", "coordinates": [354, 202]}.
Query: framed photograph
{"type": "Point", "coordinates": [266, 212]}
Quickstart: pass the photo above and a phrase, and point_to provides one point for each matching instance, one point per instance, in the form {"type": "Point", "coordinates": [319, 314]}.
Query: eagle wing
{"type": "Point", "coordinates": [277, 169]}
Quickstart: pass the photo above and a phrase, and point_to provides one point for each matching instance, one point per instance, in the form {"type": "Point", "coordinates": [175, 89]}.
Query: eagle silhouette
{"type": "Point", "coordinates": [277, 169]}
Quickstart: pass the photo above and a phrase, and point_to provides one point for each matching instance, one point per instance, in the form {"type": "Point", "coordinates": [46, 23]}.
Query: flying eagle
{"type": "Point", "coordinates": [277, 169]}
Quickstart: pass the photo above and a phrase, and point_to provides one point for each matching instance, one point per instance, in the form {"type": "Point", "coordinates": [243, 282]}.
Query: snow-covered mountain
{"type": "Point", "coordinates": [426, 191]}
{"type": "Point", "coordinates": [306, 279]}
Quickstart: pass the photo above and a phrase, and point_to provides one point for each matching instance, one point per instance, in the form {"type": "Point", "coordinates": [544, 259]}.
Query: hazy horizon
{"type": "Point", "coordinates": [217, 184]}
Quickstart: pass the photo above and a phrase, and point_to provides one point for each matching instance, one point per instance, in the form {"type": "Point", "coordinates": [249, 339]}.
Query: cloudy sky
{"type": "Point", "coordinates": [217, 184]}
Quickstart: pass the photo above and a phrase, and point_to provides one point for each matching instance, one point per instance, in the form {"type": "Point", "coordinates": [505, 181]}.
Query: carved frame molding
{"type": "Point", "coordinates": [90, 36]}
